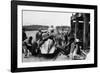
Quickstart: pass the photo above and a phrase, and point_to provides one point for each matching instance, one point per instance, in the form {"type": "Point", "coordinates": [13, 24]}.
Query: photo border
{"type": "Point", "coordinates": [14, 5]}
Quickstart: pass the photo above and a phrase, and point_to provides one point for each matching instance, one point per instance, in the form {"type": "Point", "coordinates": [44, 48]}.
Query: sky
{"type": "Point", "coordinates": [46, 18]}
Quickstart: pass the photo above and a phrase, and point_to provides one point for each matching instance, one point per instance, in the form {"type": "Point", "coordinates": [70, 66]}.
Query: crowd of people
{"type": "Point", "coordinates": [54, 42]}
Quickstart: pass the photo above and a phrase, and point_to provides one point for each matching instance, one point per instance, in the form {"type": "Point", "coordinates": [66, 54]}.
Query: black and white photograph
{"type": "Point", "coordinates": [55, 36]}
{"type": "Point", "coordinates": [50, 36]}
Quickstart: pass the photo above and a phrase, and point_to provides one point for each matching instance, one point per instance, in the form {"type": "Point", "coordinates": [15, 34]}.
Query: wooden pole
{"type": "Point", "coordinates": [85, 30]}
